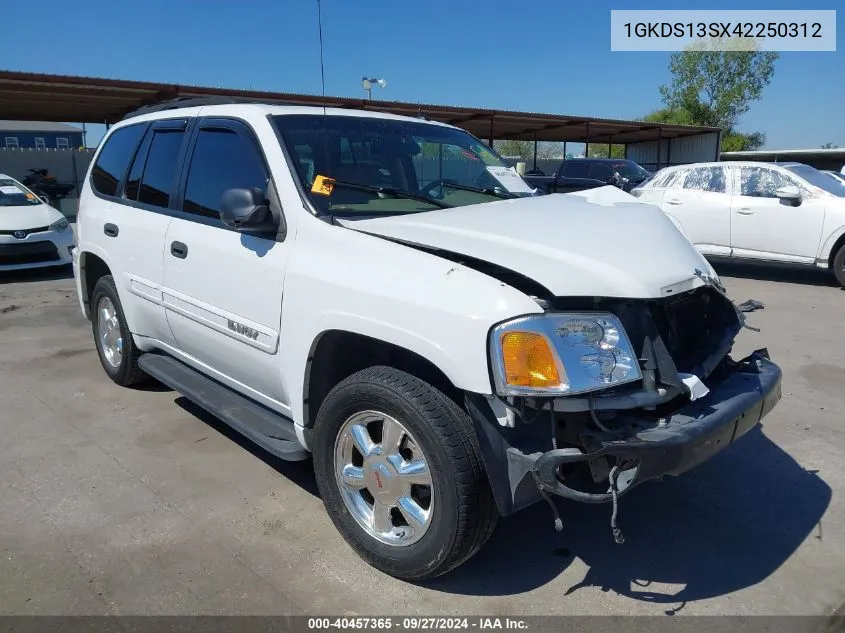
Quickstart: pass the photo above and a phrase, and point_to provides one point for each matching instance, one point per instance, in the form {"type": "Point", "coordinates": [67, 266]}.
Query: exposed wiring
{"type": "Point", "coordinates": [614, 493]}
{"type": "Point", "coordinates": [550, 501]}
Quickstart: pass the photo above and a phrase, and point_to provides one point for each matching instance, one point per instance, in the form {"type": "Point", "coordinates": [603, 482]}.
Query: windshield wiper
{"type": "Point", "coordinates": [390, 193]}
{"type": "Point", "coordinates": [494, 191]}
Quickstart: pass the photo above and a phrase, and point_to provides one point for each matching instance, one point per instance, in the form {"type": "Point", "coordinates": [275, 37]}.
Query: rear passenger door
{"type": "Point", "coordinates": [223, 289]}
{"type": "Point", "coordinates": [699, 199]}
{"type": "Point", "coordinates": [134, 177]}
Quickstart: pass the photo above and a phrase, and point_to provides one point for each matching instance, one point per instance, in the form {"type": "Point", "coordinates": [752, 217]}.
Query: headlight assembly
{"type": "Point", "coordinates": [60, 225]}
{"type": "Point", "coordinates": [561, 354]}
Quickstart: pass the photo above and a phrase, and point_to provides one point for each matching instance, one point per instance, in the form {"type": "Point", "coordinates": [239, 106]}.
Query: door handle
{"type": "Point", "coordinates": [745, 211]}
{"type": "Point", "coordinates": [179, 249]}
{"type": "Point", "coordinates": [673, 201]}
{"type": "Point", "coordinates": [111, 230]}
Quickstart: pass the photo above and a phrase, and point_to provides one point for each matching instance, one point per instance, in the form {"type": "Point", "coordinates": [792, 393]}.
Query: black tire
{"type": "Point", "coordinates": [839, 265]}
{"type": "Point", "coordinates": [127, 372]}
{"type": "Point", "coordinates": [465, 514]}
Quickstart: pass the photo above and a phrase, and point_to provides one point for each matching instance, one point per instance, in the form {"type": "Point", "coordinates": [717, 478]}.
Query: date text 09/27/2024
{"type": "Point", "coordinates": [418, 623]}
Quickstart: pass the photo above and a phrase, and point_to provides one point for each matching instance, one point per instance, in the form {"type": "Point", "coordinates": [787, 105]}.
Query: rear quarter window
{"type": "Point", "coordinates": [114, 159]}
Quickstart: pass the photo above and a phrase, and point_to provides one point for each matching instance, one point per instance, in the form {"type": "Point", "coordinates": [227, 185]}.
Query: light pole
{"type": "Point", "coordinates": [367, 84]}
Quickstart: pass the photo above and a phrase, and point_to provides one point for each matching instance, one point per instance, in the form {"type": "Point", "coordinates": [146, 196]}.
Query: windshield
{"type": "Point", "coordinates": [389, 166]}
{"type": "Point", "coordinates": [818, 179]}
{"type": "Point", "coordinates": [630, 170]}
{"type": "Point", "coordinates": [14, 194]}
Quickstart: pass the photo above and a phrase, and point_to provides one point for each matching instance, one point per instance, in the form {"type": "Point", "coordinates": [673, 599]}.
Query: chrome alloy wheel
{"type": "Point", "coordinates": [384, 478]}
{"type": "Point", "coordinates": [108, 327]}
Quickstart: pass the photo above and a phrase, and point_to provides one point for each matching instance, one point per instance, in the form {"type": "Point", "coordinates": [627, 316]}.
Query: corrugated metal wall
{"type": "Point", "coordinates": [700, 148]}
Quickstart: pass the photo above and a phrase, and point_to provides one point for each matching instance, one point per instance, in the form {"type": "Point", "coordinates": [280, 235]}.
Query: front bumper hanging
{"type": "Point", "coordinates": [676, 443]}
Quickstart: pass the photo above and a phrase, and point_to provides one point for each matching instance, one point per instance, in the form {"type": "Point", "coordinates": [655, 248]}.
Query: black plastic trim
{"type": "Point", "coordinates": [683, 439]}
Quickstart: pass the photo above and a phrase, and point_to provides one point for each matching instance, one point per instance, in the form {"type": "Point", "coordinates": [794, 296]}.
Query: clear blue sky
{"type": "Point", "coordinates": [543, 57]}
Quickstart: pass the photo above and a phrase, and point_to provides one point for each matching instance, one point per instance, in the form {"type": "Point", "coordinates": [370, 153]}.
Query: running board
{"type": "Point", "coordinates": [271, 431]}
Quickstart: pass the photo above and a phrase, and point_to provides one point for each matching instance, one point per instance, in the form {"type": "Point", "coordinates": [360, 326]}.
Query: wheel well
{"type": "Point", "coordinates": [92, 269]}
{"type": "Point", "coordinates": [839, 243]}
{"type": "Point", "coordinates": [338, 354]}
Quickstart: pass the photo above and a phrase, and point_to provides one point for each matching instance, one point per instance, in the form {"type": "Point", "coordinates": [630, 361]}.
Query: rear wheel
{"type": "Point", "coordinates": [400, 475]}
{"type": "Point", "coordinates": [839, 265]}
{"type": "Point", "coordinates": [117, 351]}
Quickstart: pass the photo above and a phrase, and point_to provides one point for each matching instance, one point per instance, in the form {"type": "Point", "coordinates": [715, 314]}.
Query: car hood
{"type": "Point", "coordinates": [27, 217]}
{"type": "Point", "coordinates": [601, 242]}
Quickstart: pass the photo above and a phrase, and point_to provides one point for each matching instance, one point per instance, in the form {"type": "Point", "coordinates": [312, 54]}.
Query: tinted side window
{"type": "Point", "coordinates": [575, 170]}
{"type": "Point", "coordinates": [760, 182]}
{"type": "Point", "coordinates": [114, 159]}
{"type": "Point", "coordinates": [160, 169]}
{"type": "Point", "coordinates": [222, 160]}
{"type": "Point", "coordinates": [706, 179]}
{"type": "Point", "coordinates": [132, 184]}
{"type": "Point", "coordinates": [600, 171]}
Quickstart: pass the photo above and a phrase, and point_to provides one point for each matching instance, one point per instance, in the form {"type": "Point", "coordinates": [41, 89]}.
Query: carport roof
{"type": "Point", "coordinates": [28, 96]}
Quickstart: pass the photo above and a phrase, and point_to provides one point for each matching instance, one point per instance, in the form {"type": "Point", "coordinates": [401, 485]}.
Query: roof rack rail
{"type": "Point", "coordinates": [192, 102]}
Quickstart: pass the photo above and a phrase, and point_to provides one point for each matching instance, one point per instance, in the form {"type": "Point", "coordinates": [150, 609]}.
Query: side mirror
{"type": "Point", "coordinates": [247, 210]}
{"type": "Point", "coordinates": [790, 193]}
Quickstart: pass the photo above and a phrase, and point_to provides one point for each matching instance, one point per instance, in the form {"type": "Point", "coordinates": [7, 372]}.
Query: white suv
{"type": "Point", "coordinates": [385, 294]}
{"type": "Point", "coordinates": [778, 212]}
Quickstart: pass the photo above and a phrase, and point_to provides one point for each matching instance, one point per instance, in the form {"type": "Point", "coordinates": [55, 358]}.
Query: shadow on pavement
{"type": "Point", "coordinates": [722, 527]}
{"type": "Point", "coordinates": [776, 272]}
{"type": "Point", "coordinates": [54, 273]}
{"type": "Point", "coordinates": [300, 473]}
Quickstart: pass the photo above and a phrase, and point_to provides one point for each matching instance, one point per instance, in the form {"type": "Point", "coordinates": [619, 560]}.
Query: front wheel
{"type": "Point", "coordinates": [400, 475]}
{"type": "Point", "coordinates": [839, 265]}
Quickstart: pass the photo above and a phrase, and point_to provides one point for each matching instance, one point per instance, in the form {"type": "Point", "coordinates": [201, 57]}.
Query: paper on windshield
{"type": "Point", "coordinates": [510, 179]}
{"type": "Point", "coordinates": [10, 189]}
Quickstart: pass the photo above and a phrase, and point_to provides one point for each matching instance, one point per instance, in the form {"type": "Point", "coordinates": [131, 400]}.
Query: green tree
{"type": "Point", "coordinates": [732, 140]}
{"type": "Point", "coordinates": [713, 83]}
{"type": "Point", "coordinates": [599, 150]}
{"type": "Point", "coordinates": [523, 149]}
{"type": "Point", "coordinates": [738, 142]}
{"type": "Point", "coordinates": [830, 146]}
{"type": "Point", "coordinates": [716, 80]}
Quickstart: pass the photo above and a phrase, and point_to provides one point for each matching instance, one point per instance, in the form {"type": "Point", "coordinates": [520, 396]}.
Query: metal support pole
{"type": "Point", "coordinates": [492, 129]}
{"type": "Point", "coordinates": [659, 144]}
{"type": "Point", "coordinates": [564, 150]}
{"type": "Point", "coordinates": [440, 162]}
{"type": "Point", "coordinates": [587, 140]}
{"type": "Point", "coordinates": [535, 152]}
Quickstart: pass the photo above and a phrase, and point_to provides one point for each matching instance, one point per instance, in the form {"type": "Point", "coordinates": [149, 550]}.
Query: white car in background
{"type": "Point", "coordinates": [776, 212]}
{"type": "Point", "coordinates": [32, 233]}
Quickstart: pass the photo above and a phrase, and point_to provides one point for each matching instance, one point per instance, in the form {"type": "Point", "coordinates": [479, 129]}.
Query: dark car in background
{"type": "Point", "coordinates": [577, 174]}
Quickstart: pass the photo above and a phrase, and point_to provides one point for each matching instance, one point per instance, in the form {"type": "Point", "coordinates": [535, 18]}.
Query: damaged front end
{"type": "Point", "coordinates": [593, 431]}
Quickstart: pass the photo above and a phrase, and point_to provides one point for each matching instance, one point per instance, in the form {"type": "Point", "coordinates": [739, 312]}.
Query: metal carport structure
{"type": "Point", "coordinates": [45, 97]}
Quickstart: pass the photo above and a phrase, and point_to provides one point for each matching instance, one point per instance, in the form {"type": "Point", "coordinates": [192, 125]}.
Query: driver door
{"type": "Point", "coordinates": [766, 227]}
{"type": "Point", "coordinates": [223, 289]}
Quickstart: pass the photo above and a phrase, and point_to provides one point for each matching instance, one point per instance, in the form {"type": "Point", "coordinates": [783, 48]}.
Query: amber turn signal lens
{"type": "Point", "coordinates": [528, 360]}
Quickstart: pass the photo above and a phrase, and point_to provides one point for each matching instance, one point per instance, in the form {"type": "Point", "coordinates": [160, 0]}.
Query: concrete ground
{"type": "Point", "coordinates": [122, 501]}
